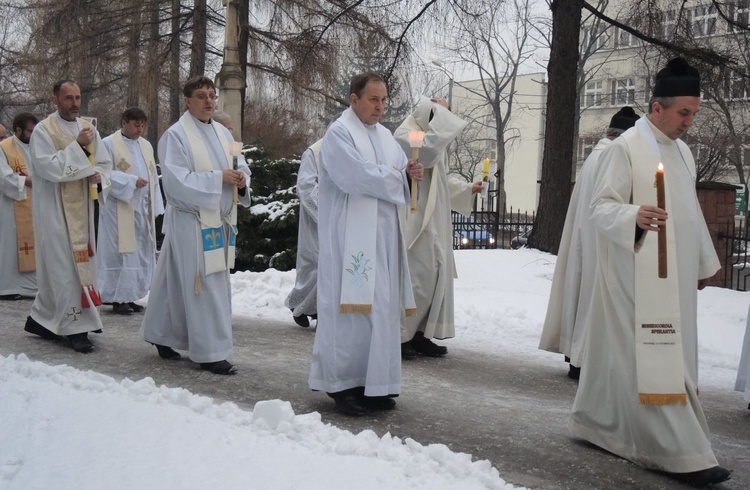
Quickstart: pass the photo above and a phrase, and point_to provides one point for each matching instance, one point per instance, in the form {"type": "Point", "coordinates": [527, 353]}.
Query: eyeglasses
{"type": "Point", "coordinates": [202, 97]}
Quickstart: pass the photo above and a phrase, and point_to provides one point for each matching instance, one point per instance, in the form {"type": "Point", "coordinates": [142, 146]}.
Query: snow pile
{"type": "Point", "coordinates": [84, 430]}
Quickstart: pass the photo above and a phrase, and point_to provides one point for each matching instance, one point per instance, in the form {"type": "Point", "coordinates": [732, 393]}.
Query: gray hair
{"type": "Point", "coordinates": [221, 117]}
{"type": "Point", "coordinates": [613, 132]}
{"type": "Point", "coordinates": [665, 102]}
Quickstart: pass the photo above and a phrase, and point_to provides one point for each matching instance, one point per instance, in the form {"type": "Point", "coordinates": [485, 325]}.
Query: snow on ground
{"type": "Point", "coordinates": [133, 434]}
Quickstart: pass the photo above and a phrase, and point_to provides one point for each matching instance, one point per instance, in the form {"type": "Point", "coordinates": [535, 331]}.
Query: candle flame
{"type": "Point", "coordinates": [416, 139]}
{"type": "Point", "coordinates": [235, 147]}
{"type": "Point", "coordinates": [660, 168]}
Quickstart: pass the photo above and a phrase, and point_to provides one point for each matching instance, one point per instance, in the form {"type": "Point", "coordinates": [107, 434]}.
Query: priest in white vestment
{"type": "Point", "coordinates": [190, 303]}
{"type": "Point", "coordinates": [363, 275]}
{"type": "Point", "coordinates": [68, 164]}
{"type": "Point", "coordinates": [638, 391]}
{"type": "Point", "coordinates": [126, 255]}
{"type": "Point", "coordinates": [429, 230]}
{"type": "Point", "coordinates": [303, 299]}
{"type": "Point", "coordinates": [572, 285]}
{"type": "Point", "coordinates": [743, 373]}
{"type": "Point", "coordinates": [17, 260]}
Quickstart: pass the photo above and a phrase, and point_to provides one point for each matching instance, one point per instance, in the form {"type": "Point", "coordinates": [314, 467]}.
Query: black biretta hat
{"type": "Point", "coordinates": [678, 79]}
{"type": "Point", "coordinates": [624, 119]}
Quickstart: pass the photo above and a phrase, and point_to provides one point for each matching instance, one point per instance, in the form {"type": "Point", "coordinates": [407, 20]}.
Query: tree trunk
{"type": "Point", "coordinates": [154, 79]}
{"type": "Point", "coordinates": [557, 161]}
{"type": "Point", "coordinates": [198, 45]}
{"type": "Point", "coordinates": [174, 65]}
{"type": "Point", "coordinates": [134, 55]}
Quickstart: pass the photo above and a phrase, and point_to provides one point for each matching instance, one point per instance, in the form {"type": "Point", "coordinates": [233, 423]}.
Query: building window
{"type": "Point", "coordinates": [668, 24]}
{"type": "Point", "coordinates": [593, 94]}
{"type": "Point", "coordinates": [702, 21]}
{"type": "Point", "coordinates": [739, 12]}
{"type": "Point", "coordinates": [595, 38]}
{"type": "Point", "coordinates": [737, 85]}
{"type": "Point", "coordinates": [623, 91]}
{"type": "Point", "coordinates": [624, 39]}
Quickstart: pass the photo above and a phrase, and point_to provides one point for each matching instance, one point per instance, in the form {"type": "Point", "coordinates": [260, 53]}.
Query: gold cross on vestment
{"type": "Point", "coordinates": [123, 165]}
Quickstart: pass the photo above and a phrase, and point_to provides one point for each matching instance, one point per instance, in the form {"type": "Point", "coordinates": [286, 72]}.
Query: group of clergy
{"type": "Point", "coordinates": [623, 307]}
{"type": "Point", "coordinates": [49, 246]}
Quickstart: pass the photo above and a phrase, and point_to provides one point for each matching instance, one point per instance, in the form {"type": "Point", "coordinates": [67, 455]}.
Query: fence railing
{"type": "Point", "coordinates": [488, 228]}
{"type": "Point", "coordinates": [733, 250]}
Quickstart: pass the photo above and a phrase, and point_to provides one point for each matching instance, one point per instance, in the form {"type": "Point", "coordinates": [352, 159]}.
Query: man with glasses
{"type": "Point", "coordinates": [127, 234]}
{"type": "Point", "coordinates": [190, 305]}
{"type": "Point", "coordinates": [17, 262]}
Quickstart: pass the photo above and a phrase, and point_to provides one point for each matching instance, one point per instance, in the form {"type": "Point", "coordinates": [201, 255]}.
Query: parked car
{"type": "Point", "coordinates": [472, 235]}
{"type": "Point", "coordinates": [520, 240]}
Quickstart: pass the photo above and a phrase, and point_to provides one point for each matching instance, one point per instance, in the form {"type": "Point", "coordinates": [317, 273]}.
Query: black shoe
{"type": "Point", "coordinates": [574, 372]}
{"type": "Point", "coordinates": [32, 326]}
{"type": "Point", "coordinates": [80, 342]}
{"type": "Point", "coordinates": [121, 308]}
{"type": "Point", "coordinates": [136, 307]}
{"type": "Point", "coordinates": [407, 351]}
{"type": "Point", "coordinates": [709, 476]}
{"type": "Point", "coordinates": [302, 321]}
{"type": "Point", "coordinates": [351, 402]}
{"type": "Point", "coordinates": [426, 347]}
{"type": "Point", "coordinates": [10, 297]}
{"type": "Point", "coordinates": [379, 402]}
{"type": "Point", "coordinates": [167, 353]}
{"type": "Point", "coordinates": [219, 367]}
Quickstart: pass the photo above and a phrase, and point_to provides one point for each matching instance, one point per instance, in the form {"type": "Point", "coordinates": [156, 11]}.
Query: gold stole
{"type": "Point", "coordinates": [78, 209]}
{"type": "Point", "coordinates": [24, 223]}
{"type": "Point", "coordinates": [125, 210]}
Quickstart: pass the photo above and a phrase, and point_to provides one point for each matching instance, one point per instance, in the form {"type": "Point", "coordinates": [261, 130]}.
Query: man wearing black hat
{"type": "Point", "coordinates": [637, 395]}
{"type": "Point", "coordinates": [572, 285]}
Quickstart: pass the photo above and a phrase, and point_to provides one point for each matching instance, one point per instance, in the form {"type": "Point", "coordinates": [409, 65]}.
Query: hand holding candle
{"type": "Point", "coordinates": [662, 240]}
{"type": "Point", "coordinates": [416, 141]}
{"type": "Point", "coordinates": [235, 148]}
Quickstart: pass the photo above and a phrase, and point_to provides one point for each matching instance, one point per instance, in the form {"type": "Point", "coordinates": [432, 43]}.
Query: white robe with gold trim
{"type": "Point", "coordinates": [126, 277]}
{"type": "Point", "coordinates": [606, 410]}
{"type": "Point", "coordinates": [57, 306]}
{"type": "Point", "coordinates": [13, 188]}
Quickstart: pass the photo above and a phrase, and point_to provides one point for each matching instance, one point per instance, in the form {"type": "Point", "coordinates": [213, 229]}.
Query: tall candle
{"type": "Point", "coordinates": [486, 170]}
{"type": "Point", "coordinates": [416, 140]}
{"type": "Point", "coordinates": [661, 203]}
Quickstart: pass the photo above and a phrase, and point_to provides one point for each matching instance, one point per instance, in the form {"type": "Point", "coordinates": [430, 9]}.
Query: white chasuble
{"type": "Point", "coordinates": [607, 410]}
{"type": "Point", "coordinates": [63, 238]}
{"type": "Point", "coordinates": [429, 230]}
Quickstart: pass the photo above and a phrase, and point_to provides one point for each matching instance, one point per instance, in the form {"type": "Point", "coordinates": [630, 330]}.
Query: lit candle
{"type": "Point", "coordinates": [661, 203]}
{"type": "Point", "coordinates": [235, 148]}
{"type": "Point", "coordinates": [486, 170]}
{"type": "Point", "coordinates": [416, 141]}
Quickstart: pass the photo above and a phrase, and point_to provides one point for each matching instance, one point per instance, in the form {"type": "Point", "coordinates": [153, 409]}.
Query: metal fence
{"type": "Point", "coordinates": [488, 228]}
{"type": "Point", "coordinates": [733, 249]}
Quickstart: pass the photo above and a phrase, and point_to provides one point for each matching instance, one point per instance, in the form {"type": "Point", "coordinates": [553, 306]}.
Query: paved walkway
{"type": "Point", "coordinates": [509, 411]}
